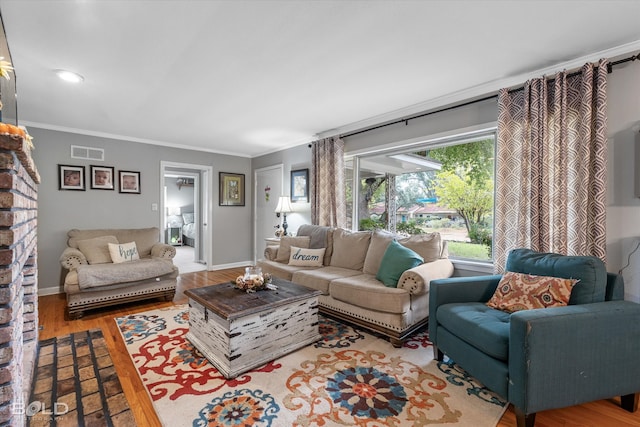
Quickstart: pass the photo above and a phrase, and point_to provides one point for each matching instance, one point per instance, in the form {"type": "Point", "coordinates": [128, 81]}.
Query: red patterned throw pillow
{"type": "Point", "coordinates": [518, 291]}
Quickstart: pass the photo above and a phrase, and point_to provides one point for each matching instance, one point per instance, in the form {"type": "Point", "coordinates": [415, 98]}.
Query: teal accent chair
{"type": "Point", "coordinates": [544, 358]}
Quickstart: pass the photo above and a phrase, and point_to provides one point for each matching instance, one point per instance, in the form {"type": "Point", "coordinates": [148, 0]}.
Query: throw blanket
{"type": "Point", "coordinates": [318, 235]}
{"type": "Point", "coordinates": [93, 276]}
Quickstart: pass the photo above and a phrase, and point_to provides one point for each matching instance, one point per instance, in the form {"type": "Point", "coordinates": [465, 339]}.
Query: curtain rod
{"type": "Point", "coordinates": [464, 104]}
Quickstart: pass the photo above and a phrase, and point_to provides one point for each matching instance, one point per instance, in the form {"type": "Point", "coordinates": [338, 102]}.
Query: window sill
{"type": "Point", "coordinates": [466, 267]}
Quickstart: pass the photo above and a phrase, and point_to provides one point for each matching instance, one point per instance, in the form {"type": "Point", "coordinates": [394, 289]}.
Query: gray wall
{"type": "Point", "coordinates": [623, 210]}
{"type": "Point", "coordinates": [60, 211]}
{"type": "Point", "coordinates": [480, 113]}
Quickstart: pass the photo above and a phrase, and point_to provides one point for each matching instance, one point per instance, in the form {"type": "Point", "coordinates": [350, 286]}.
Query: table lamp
{"type": "Point", "coordinates": [284, 207]}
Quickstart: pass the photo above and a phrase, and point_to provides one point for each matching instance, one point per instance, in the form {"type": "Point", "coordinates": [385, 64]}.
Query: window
{"type": "Point", "coordinates": [445, 186]}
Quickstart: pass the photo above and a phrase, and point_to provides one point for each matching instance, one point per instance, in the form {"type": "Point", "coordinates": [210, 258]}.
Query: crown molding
{"type": "Point", "coordinates": [57, 128]}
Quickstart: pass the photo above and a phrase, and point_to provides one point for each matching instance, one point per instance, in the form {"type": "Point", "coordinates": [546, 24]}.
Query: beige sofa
{"type": "Point", "coordinates": [93, 280]}
{"type": "Point", "coordinates": [347, 276]}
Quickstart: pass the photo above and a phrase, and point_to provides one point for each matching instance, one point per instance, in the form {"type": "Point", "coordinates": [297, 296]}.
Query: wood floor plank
{"type": "Point", "coordinates": [53, 322]}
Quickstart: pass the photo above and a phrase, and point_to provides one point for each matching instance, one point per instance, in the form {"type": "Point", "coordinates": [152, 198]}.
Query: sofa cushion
{"type": "Point", "coordinates": [306, 257]}
{"type": "Point", "coordinates": [380, 239]}
{"type": "Point", "coordinates": [478, 325]}
{"type": "Point", "coordinates": [396, 260]}
{"type": "Point", "coordinates": [319, 278]}
{"type": "Point", "coordinates": [284, 250]}
{"type": "Point", "coordinates": [320, 237]}
{"type": "Point", "coordinates": [428, 245]}
{"type": "Point", "coordinates": [365, 291]}
{"type": "Point", "coordinates": [590, 271]}
{"type": "Point", "coordinates": [519, 291]}
{"type": "Point", "coordinates": [96, 250]}
{"type": "Point", "coordinates": [350, 248]}
{"type": "Point", "coordinates": [123, 252]}
{"type": "Point", "coordinates": [280, 270]}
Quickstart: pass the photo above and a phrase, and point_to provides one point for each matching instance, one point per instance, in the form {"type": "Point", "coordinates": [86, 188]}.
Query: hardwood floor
{"type": "Point", "coordinates": [54, 323]}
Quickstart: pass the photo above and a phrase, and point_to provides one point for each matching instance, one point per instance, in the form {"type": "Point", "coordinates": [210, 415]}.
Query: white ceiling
{"type": "Point", "coordinates": [252, 77]}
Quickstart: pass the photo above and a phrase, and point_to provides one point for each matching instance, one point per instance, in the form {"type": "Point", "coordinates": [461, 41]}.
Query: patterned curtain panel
{"type": "Point", "coordinates": [328, 202]}
{"type": "Point", "coordinates": [551, 165]}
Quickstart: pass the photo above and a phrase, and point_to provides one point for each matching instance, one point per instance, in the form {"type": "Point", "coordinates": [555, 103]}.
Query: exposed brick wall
{"type": "Point", "coordinates": [18, 273]}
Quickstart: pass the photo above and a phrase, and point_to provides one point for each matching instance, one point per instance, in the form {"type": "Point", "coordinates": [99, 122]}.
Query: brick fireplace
{"type": "Point", "coordinates": [18, 277]}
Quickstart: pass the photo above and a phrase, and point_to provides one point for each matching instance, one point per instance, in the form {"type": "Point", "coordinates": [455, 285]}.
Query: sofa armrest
{"type": "Point", "coordinates": [72, 258]}
{"type": "Point", "coordinates": [270, 252]}
{"type": "Point", "coordinates": [416, 280]}
{"type": "Point", "coordinates": [568, 355]}
{"type": "Point", "coordinates": [463, 289]}
{"type": "Point", "coordinates": [162, 250]}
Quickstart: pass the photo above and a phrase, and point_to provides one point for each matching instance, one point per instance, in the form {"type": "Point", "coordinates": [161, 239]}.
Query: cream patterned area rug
{"type": "Point", "coordinates": [348, 378]}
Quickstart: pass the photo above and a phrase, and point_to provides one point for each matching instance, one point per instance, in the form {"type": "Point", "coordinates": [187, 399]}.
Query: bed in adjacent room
{"type": "Point", "coordinates": [188, 230]}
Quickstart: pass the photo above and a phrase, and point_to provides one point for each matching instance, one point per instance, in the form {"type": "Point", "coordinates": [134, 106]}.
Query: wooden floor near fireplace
{"type": "Point", "coordinates": [53, 323]}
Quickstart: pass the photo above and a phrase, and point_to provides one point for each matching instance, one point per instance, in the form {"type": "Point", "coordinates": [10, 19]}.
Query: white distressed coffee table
{"type": "Point", "coordinates": [238, 331]}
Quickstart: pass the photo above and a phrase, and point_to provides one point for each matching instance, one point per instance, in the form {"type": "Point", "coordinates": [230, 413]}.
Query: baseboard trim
{"type": "Point", "coordinates": [230, 265]}
{"type": "Point", "coordinates": [49, 291]}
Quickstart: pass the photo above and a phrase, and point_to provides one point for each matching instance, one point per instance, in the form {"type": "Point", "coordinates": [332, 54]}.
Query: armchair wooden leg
{"type": "Point", "coordinates": [629, 402]}
{"type": "Point", "coordinates": [524, 420]}
{"type": "Point", "coordinates": [437, 354]}
{"type": "Point", "coordinates": [395, 342]}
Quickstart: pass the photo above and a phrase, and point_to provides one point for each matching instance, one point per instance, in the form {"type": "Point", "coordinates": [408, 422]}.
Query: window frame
{"type": "Point", "coordinates": [418, 144]}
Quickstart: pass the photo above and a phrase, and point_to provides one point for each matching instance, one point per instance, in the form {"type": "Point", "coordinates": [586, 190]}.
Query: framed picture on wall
{"type": "Point", "coordinates": [231, 189]}
{"type": "Point", "coordinates": [129, 182]}
{"type": "Point", "coordinates": [71, 177]}
{"type": "Point", "coordinates": [300, 185]}
{"type": "Point", "coordinates": [101, 178]}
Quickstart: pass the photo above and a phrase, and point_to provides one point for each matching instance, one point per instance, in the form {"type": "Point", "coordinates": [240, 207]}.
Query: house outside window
{"type": "Point", "coordinates": [444, 186]}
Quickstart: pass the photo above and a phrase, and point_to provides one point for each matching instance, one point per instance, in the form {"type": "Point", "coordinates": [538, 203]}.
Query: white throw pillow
{"type": "Point", "coordinates": [123, 252]}
{"type": "Point", "coordinates": [306, 257]}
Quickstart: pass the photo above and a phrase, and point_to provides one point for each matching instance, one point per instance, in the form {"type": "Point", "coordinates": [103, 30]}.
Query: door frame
{"type": "Point", "coordinates": [256, 194]}
{"type": "Point", "coordinates": [201, 196]}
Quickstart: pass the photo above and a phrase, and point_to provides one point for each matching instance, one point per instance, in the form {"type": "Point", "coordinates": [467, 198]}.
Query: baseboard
{"type": "Point", "coordinates": [230, 265]}
{"type": "Point", "coordinates": [49, 291]}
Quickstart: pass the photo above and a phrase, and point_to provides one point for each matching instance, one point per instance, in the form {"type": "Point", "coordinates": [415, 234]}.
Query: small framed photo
{"type": "Point", "coordinates": [300, 185]}
{"type": "Point", "coordinates": [231, 189]}
{"type": "Point", "coordinates": [129, 182]}
{"type": "Point", "coordinates": [101, 177]}
{"type": "Point", "coordinates": [71, 177]}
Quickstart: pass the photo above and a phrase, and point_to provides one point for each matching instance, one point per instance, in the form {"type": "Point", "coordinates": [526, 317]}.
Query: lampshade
{"type": "Point", "coordinates": [173, 210]}
{"type": "Point", "coordinates": [284, 205]}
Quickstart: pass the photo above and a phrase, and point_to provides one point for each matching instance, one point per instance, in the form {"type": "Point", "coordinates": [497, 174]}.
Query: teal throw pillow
{"type": "Point", "coordinates": [396, 260]}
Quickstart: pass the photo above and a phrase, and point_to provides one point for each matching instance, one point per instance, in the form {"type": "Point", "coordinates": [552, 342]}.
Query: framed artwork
{"type": "Point", "coordinates": [71, 177]}
{"type": "Point", "coordinates": [101, 177]}
{"type": "Point", "coordinates": [231, 189]}
{"type": "Point", "coordinates": [300, 185]}
{"type": "Point", "coordinates": [129, 182]}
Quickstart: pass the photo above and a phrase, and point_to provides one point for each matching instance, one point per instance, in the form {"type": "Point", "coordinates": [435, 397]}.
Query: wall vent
{"type": "Point", "coordinates": [87, 153]}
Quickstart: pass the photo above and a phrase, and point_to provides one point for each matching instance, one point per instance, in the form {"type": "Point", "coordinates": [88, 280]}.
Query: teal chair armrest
{"type": "Point", "coordinates": [458, 289]}
{"type": "Point", "coordinates": [569, 355]}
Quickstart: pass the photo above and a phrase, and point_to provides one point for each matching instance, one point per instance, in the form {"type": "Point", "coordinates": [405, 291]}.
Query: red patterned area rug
{"type": "Point", "coordinates": [348, 378]}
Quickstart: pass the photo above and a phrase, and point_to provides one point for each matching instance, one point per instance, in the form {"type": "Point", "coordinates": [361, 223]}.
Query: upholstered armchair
{"type": "Point", "coordinates": [542, 358]}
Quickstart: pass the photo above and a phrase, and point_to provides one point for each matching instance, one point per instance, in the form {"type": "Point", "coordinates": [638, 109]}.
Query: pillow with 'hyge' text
{"type": "Point", "coordinates": [123, 252]}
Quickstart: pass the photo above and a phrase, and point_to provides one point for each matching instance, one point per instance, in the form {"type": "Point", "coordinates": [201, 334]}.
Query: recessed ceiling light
{"type": "Point", "coordinates": [69, 76]}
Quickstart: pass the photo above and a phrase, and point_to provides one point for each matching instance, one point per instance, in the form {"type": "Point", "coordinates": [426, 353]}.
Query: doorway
{"type": "Point", "coordinates": [268, 188]}
{"type": "Point", "coordinates": [186, 212]}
